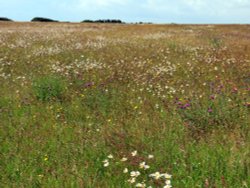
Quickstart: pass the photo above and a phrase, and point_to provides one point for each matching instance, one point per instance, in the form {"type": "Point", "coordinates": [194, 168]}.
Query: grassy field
{"type": "Point", "coordinates": [120, 106]}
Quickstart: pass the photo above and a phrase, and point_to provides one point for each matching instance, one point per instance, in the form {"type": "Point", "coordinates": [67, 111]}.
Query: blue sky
{"type": "Point", "coordinates": [158, 11]}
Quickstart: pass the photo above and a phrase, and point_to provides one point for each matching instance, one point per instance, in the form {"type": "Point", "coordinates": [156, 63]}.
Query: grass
{"type": "Point", "coordinates": [72, 111]}
{"type": "Point", "coordinates": [48, 88]}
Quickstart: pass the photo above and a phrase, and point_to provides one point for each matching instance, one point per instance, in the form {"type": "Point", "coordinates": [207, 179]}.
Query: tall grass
{"type": "Point", "coordinates": [124, 106]}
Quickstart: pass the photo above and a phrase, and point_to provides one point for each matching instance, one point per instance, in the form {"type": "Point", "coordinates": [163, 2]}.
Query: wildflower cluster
{"type": "Point", "coordinates": [139, 174]}
{"type": "Point", "coordinates": [179, 89]}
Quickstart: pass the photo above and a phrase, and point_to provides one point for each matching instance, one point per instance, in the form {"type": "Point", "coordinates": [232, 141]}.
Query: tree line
{"type": "Point", "coordinates": [42, 19]}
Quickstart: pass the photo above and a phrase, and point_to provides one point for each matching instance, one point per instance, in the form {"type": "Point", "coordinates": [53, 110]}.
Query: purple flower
{"type": "Point", "coordinates": [89, 84]}
{"type": "Point", "coordinates": [235, 90]}
{"type": "Point", "coordinates": [179, 103]}
{"type": "Point", "coordinates": [221, 86]}
{"type": "Point", "coordinates": [210, 110]}
{"type": "Point", "coordinates": [212, 97]}
{"type": "Point", "coordinates": [182, 107]}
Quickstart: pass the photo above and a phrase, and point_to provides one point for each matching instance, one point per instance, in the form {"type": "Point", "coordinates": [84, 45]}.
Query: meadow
{"type": "Point", "coordinates": [122, 106]}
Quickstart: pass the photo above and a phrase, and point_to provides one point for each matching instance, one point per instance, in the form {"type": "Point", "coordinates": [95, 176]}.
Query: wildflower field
{"type": "Point", "coordinates": [123, 106]}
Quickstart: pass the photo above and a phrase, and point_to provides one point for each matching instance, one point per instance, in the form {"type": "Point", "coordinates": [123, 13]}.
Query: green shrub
{"type": "Point", "coordinates": [101, 101]}
{"type": "Point", "coordinates": [218, 113]}
{"type": "Point", "coordinates": [5, 19]}
{"type": "Point", "coordinates": [48, 88]}
{"type": "Point", "coordinates": [216, 42]}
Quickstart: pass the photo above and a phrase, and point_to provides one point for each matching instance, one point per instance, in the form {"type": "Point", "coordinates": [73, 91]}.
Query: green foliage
{"type": "Point", "coordinates": [5, 19]}
{"type": "Point", "coordinates": [216, 42]}
{"type": "Point", "coordinates": [40, 19]}
{"type": "Point", "coordinates": [49, 88]}
{"type": "Point", "coordinates": [218, 113]}
{"type": "Point", "coordinates": [102, 101]}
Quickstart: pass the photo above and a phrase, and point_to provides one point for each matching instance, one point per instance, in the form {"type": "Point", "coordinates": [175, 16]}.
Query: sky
{"type": "Point", "coordinates": [156, 11]}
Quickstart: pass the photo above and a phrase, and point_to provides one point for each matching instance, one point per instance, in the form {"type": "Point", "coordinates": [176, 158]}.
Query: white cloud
{"type": "Point", "coordinates": [195, 4]}
{"type": "Point", "coordinates": [100, 3]}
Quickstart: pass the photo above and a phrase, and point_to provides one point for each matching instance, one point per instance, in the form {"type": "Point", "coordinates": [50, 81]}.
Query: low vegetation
{"type": "Point", "coordinates": [5, 19]}
{"type": "Point", "coordinates": [40, 19]}
{"type": "Point", "coordinates": [110, 105]}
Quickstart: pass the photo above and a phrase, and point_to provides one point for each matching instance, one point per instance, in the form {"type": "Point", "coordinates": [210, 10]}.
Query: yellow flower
{"type": "Point", "coordinates": [46, 158]}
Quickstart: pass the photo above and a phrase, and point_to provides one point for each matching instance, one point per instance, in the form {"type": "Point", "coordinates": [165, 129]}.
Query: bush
{"type": "Point", "coordinates": [49, 88]}
{"type": "Point", "coordinates": [5, 19]}
{"type": "Point", "coordinates": [40, 19]}
{"type": "Point", "coordinates": [87, 21]}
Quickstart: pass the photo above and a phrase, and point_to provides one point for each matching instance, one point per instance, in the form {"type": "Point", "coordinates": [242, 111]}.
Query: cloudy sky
{"type": "Point", "coordinates": [158, 11]}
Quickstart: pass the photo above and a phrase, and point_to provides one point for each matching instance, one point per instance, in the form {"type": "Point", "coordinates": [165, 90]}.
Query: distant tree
{"type": "Point", "coordinates": [102, 21]}
{"type": "Point", "coordinates": [5, 19]}
{"type": "Point", "coordinates": [87, 21]}
{"type": "Point", "coordinates": [40, 19]}
{"type": "Point", "coordinates": [116, 21]}
{"type": "Point", "coordinates": [141, 23]}
{"type": "Point", "coordinates": [99, 21]}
